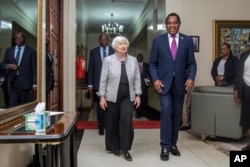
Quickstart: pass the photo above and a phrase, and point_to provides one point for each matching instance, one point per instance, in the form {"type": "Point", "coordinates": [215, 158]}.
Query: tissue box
{"type": "Point", "coordinates": [37, 121]}
{"type": "Point", "coordinates": [30, 117]}
{"type": "Point", "coordinates": [37, 126]}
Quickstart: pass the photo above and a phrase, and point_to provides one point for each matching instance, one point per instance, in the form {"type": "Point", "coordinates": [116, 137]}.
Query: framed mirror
{"type": "Point", "coordinates": [25, 16]}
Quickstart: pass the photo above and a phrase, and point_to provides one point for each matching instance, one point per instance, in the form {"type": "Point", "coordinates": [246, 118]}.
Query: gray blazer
{"type": "Point", "coordinates": [111, 74]}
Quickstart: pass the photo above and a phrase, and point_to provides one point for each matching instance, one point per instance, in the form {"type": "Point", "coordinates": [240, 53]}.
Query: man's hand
{"type": "Point", "coordinates": [189, 84]}
{"type": "Point", "coordinates": [12, 66]}
{"type": "Point", "coordinates": [158, 86]}
{"type": "Point", "coordinates": [90, 89]}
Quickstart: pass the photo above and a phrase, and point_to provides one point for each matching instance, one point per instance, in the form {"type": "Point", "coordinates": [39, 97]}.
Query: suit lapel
{"type": "Point", "coordinates": [166, 43]}
{"type": "Point", "coordinates": [110, 51]}
{"type": "Point", "coordinates": [22, 56]}
{"type": "Point", "coordinates": [13, 53]}
{"type": "Point", "coordinates": [98, 55]}
{"type": "Point", "coordinates": [180, 45]}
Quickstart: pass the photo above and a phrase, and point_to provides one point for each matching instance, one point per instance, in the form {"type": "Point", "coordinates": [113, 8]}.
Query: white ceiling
{"type": "Point", "coordinates": [90, 13]}
{"type": "Point", "coordinates": [98, 12]}
{"type": "Point", "coordinates": [27, 9]}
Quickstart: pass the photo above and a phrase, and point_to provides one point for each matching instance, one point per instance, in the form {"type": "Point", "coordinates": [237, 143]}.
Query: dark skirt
{"type": "Point", "coordinates": [245, 107]}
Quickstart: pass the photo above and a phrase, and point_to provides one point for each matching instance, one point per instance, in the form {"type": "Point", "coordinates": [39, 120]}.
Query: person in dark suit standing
{"type": "Point", "coordinates": [172, 68]}
{"type": "Point", "coordinates": [224, 67]}
{"type": "Point", "coordinates": [94, 72]}
{"type": "Point", "coordinates": [242, 92]}
{"type": "Point", "coordinates": [145, 81]}
{"type": "Point", "coordinates": [20, 60]}
{"type": "Point", "coordinates": [49, 70]}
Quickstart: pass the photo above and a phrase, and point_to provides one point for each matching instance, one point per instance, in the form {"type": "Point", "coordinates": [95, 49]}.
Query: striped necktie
{"type": "Point", "coordinates": [141, 67]}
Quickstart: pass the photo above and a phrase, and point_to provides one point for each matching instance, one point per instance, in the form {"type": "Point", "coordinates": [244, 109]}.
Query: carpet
{"type": "Point", "coordinates": [136, 124]}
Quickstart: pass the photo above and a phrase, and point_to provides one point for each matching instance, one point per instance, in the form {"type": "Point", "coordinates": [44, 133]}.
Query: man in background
{"type": "Point", "coordinates": [49, 70]}
{"type": "Point", "coordinates": [94, 71]}
{"type": "Point", "coordinates": [143, 67]}
{"type": "Point", "coordinates": [20, 61]}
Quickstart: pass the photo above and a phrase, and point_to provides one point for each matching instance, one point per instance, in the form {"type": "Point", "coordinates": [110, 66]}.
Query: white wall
{"type": "Point", "coordinates": [69, 49]}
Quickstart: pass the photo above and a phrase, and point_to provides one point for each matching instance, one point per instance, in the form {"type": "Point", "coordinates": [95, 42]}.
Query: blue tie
{"type": "Point", "coordinates": [18, 55]}
{"type": "Point", "coordinates": [104, 53]}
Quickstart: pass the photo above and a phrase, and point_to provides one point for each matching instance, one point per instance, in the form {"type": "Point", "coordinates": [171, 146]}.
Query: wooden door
{"type": "Point", "coordinates": [53, 28]}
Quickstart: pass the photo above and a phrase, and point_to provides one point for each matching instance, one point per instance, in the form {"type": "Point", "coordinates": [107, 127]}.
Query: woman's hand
{"type": "Point", "coordinates": [219, 80]}
{"type": "Point", "coordinates": [103, 103]}
{"type": "Point", "coordinates": [236, 97]}
{"type": "Point", "coordinates": [137, 102]}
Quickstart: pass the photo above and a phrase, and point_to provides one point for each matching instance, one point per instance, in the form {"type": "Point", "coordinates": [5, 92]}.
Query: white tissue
{"type": "Point", "coordinates": [40, 107]}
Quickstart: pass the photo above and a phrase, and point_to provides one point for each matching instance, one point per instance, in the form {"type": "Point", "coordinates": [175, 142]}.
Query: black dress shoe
{"type": "Point", "coordinates": [101, 131]}
{"type": "Point", "coordinates": [174, 150]}
{"type": "Point", "coordinates": [164, 154]}
{"type": "Point", "coordinates": [127, 156]}
{"type": "Point", "coordinates": [246, 148]}
{"type": "Point", "coordinates": [182, 128]}
{"type": "Point", "coordinates": [117, 153]}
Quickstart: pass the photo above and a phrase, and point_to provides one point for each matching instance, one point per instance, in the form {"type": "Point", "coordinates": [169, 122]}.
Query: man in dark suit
{"type": "Point", "coordinates": [20, 60]}
{"type": "Point", "coordinates": [172, 68]}
{"type": "Point", "coordinates": [49, 70]}
{"type": "Point", "coordinates": [140, 111]}
{"type": "Point", "coordinates": [94, 71]}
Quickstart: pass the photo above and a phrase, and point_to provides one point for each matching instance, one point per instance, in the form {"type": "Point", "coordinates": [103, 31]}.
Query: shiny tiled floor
{"type": "Point", "coordinates": [146, 150]}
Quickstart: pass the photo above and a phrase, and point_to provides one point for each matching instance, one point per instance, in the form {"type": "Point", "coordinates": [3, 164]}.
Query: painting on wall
{"type": "Point", "coordinates": [234, 32]}
{"type": "Point", "coordinates": [196, 42]}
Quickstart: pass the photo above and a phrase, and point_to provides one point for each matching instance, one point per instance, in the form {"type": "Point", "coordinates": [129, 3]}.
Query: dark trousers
{"type": "Point", "coordinates": [18, 96]}
{"type": "Point", "coordinates": [170, 117]}
{"type": "Point", "coordinates": [119, 128]}
{"type": "Point", "coordinates": [100, 112]}
{"type": "Point", "coordinates": [245, 105]}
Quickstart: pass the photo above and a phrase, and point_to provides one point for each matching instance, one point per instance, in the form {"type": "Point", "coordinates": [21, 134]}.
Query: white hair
{"type": "Point", "coordinates": [119, 39]}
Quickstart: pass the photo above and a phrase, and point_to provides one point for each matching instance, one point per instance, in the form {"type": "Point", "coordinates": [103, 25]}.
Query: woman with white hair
{"type": "Point", "coordinates": [119, 91]}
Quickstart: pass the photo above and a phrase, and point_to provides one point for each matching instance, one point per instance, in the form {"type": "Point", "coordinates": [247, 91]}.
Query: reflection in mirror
{"type": "Point", "coordinates": [18, 16]}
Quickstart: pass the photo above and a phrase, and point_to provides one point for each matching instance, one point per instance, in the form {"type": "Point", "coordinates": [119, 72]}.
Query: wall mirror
{"type": "Point", "coordinates": [25, 16]}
